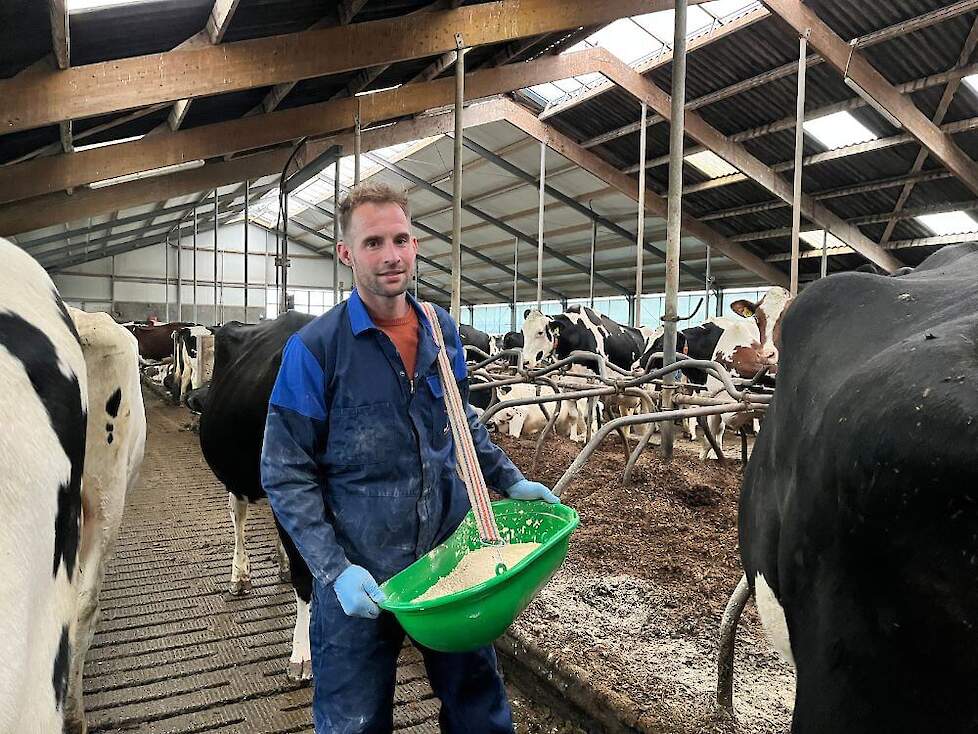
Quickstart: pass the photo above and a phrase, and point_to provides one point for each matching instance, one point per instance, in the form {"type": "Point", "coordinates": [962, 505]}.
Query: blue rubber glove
{"type": "Point", "coordinates": [358, 593]}
{"type": "Point", "coordinates": [527, 490]}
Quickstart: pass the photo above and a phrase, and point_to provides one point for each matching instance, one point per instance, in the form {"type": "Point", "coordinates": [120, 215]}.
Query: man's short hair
{"type": "Point", "coordinates": [371, 192]}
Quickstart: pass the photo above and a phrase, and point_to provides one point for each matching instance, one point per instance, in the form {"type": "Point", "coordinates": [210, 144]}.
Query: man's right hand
{"type": "Point", "coordinates": [358, 593]}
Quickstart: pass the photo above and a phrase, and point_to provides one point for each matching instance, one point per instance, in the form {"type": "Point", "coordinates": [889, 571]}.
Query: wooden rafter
{"type": "Point", "coordinates": [44, 175]}
{"type": "Point", "coordinates": [738, 156]}
{"type": "Point", "coordinates": [942, 107]}
{"type": "Point", "coordinates": [655, 204]}
{"type": "Point", "coordinates": [56, 208]}
{"type": "Point", "coordinates": [121, 84]}
{"type": "Point", "coordinates": [852, 64]}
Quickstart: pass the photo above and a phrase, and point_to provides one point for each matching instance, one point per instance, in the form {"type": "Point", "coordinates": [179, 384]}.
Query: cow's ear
{"type": "Point", "coordinates": [744, 308]}
{"type": "Point", "coordinates": [526, 313]}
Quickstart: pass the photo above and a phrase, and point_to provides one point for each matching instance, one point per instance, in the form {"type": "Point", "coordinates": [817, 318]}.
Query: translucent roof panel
{"type": "Point", "coordinates": [90, 146]}
{"type": "Point", "coordinates": [972, 82]}
{"type": "Point", "coordinates": [814, 238]}
{"type": "Point", "coordinates": [638, 39]}
{"type": "Point", "coordinates": [711, 164]}
{"type": "Point", "coordinates": [662, 24]}
{"type": "Point", "coordinates": [838, 130]}
{"type": "Point", "coordinates": [626, 39]}
{"type": "Point", "coordinates": [77, 5]}
{"type": "Point", "coordinates": [948, 222]}
{"type": "Point", "coordinates": [320, 187]}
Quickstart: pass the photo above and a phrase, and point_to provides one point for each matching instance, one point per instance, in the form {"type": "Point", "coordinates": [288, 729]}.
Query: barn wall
{"type": "Point", "coordinates": [137, 289]}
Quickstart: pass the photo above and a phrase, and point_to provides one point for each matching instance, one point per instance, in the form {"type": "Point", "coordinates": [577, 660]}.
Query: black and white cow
{"type": "Point", "coordinates": [188, 372]}
{"type": "Point", "coordinates": [743, 346]}
{"type": "Point", "coordinates": [43, 407]}
{"type": "Point", "coordinates": [115, 441]}
{"type": "Point", "coordinates": [64, 380]}
{"type": "Point", "coordinates": [859, 509]}
{"type": "Point", "coordinates": [580, 328]}
{"type": "Point", "coordinates": [232, 427]}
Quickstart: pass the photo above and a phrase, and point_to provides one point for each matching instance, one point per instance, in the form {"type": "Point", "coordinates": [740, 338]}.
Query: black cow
{"type": "Point", "coordinates": [472, 337]}
{"type": "Point", "coordinates": [246, 363]}
{"type": "Point", "coordinates": [859, 510]}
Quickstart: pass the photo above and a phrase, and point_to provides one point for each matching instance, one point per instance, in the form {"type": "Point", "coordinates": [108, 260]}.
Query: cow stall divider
{"type": "Point", "coordinates": [610, 380]}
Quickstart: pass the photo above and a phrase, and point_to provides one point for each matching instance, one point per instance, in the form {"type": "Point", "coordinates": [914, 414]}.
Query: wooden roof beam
{"type": "Point", "coordinates": [655, 204]}
{"type": "Point", "coordinates": [49, 97]}
{"type": "Point", "coordinates": [738, 156]}
{"type": "Point", "coordinates": [44, 175]}
{"type": "Point", "coordinates": [853, 65]}
{"type": "Point", "coordinates": [55, 208]}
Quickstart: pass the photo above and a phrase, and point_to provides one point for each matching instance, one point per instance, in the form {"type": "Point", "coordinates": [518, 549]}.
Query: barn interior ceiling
{"type": "Point", "coordinates": [890, 131]}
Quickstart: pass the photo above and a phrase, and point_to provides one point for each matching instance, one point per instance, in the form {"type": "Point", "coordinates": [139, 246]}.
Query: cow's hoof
{"type": "Point", "coordinates": [285, 574]}
{"type": "Point", "coordinates": [299, 670]}
{"type": "Point", "coordinates": [74, 726]}
{"type": "Point", "coordinates": [240, 587]}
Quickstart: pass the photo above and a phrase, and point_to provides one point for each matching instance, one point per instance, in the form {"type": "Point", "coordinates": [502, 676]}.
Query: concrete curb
{"type": "Point", "coordinates": [568, 685]}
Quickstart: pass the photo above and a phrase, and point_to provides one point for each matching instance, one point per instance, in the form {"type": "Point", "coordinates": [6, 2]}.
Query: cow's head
{"type": "Point", "coordinates": [540, 335]}
{"type": "Point", "coordinates": [767, 313]}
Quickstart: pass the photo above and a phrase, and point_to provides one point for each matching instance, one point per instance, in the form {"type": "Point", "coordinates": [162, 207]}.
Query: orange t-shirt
{"type": "Point", "coordinates": [404, 333]}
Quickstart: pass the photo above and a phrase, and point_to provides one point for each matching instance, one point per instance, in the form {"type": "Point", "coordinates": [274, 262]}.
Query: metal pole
{"type": "Point", "coordinates": [215, 257]}
{"type": "Point", "coordinates": [283, 264]}
{"type": "Point", "coordinates": [455, 305]}
{"type": "Point", "coordinates": [195, 266]}
{"type": "Point", "coordinates": [246, 227]}
{"type": "Point", "coordinates": [543, 185]}
{"type": "Point", "coordinates": [825, 255]}
{"type": "Point", "coordinates": [336, 217]}
{"type": "Point", "coordinates": [594, 244]}
{"type": "Point", "coordinates": [640, 237]}
{"type": "Point", "coordinates": [674, 219]}
{"type": "Point", "coordinates": [356, 148]}
{"type": "Point", "coordinates": [179, 280]}
{"type": "Point", "coordinates": [799, 153]}
{"type": "Point", "coordinates": [709, 279]}
{"type": "Point", "coordinates": [516, 279]}
{"type": "Point", "coordinates": [112, 288]}
{"type": "Point", "coordinates": [166, 275]}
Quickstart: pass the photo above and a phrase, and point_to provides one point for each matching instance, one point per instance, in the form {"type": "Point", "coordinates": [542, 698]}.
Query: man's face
{"type": "Point", "coordinates": [380, 249]}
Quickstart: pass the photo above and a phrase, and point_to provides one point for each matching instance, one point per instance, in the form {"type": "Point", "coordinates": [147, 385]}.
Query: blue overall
{"type": "Point", "coordinates": [359, 467]}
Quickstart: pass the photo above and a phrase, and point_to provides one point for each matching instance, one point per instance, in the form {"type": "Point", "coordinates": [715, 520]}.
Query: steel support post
{"type": "Point", "coordinates": [457, 182]}
{"type": "Point", "coordinates": [283, 258]}
{"type": "Point", "coordinates": [356, 150]}
{"type": "Point", "coordinates": [247, 225]}
{"type": "Point", "coordinates": [166, 276]}
{"type": "Point", "coordinates": [709, 284]}
{"type": "Point", "coordinates": [516, 280]}
{"type": "Point", "coordinates": [823, 271]}
{"type": "Point", "coordinates": [179, 280]}
{"type": "Point", "coordinates": [594, 244]}
{"type": "Point", "coordinates": [336, 222]}
{"type": "Point", "coordinates": [216, 197]}
{"type": "Point", "coordinates": [640, 234]}
{"type": "Point", "coordinates": [799, 159]}
{"type": "Point", "coordinates": [195, 267]}
{"type": "Point", "coordinates": [543, 187]}
{"type": "Point", "coordinates": [674, 217]}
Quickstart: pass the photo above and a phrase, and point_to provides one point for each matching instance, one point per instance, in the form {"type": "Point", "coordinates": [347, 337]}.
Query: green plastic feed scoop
{"type": "Point", "coordinates": [478, 615]}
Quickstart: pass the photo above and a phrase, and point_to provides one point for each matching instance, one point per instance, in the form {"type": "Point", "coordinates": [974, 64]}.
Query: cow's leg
{"type": "Point", "coordinates": [98, 535]}
{"type": "Point", "coordinates": [300, 661]}
{"type": "Point", "coordinates": [240, 568]}
{"type": "Point", "coordinates": [714, 424]}
{"type": "Point", "coordinates": [284, 566]}
{"type": "Point", "coordinates": [185, 379]}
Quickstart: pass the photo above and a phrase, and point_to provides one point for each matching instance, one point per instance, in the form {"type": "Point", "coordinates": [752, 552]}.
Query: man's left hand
{"type": "Point", "coordinates": [527, 490]}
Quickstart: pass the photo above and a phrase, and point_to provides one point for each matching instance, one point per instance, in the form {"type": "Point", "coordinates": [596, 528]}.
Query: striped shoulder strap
{"type": "Point", "coordinates": [465, 456]}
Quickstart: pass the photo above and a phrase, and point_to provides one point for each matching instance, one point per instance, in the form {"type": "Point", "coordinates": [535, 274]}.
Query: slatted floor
{"type": "Point", "coordinates": [174, 652]}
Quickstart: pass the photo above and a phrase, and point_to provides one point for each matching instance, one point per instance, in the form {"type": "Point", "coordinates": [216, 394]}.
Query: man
{"type": "Point", "coordinates": [358, 464]}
